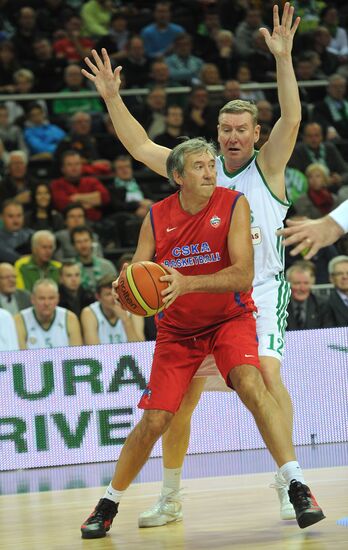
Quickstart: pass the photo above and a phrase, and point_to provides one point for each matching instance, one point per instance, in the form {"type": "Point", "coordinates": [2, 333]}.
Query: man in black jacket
{"type": "Point", "coordinates": [336, 307]}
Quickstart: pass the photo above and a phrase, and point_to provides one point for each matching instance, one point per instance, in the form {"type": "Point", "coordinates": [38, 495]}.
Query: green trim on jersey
{"type": "Point", "coordinates": [234, 174]}
{"type": "Point", "coordinates": [287, 204]}
{"type": "Point", "coordinates": [105, 317]}
{"type": "Point", "coordinates": [280, 248]}
{"type": "Point", "coordinates": [284, 293]}
{"type": "Point", "coordinates": [51, 323]}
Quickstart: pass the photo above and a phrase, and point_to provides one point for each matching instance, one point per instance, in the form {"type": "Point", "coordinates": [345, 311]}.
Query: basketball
{"type": "Point", "coordinates": [139, 288]}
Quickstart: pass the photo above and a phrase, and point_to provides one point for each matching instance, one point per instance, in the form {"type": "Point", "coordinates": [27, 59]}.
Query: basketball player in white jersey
{"type": "Point", "coordinates": [105, 322]}
{"type": "Point", "coordinates": [261, 178]}
{"type": "Point", "coordinates": [45, 324]}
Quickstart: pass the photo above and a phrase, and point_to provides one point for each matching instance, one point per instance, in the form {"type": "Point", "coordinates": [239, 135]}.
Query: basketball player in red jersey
{"type": "Point", "coordinates": [204, 232]}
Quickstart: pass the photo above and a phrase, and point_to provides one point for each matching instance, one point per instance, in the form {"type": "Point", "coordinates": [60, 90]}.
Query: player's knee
{"type": "Point", "coordinates": [248, 383]}
{"type": "Point", "coordinates": [155, 423]}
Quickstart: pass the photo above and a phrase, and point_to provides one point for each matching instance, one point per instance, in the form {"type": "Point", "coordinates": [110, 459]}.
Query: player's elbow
{"type": "Point", "coordinates": [245, 280]}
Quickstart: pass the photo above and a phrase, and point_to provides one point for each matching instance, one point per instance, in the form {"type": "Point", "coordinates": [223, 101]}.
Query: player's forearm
{"type": "Point", "coordinates": [288, 93]}
{"type": "Point", "coordinates": [132, 335]}
{"type": "Point", "coordinates": [230, 279]}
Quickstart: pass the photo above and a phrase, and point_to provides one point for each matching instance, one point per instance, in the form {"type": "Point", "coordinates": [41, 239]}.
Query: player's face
{"type": "Point", "coordinates": [44, 249]}
{"type": "Point", "coordinates": [340, 277]}
{"type": "Point", "coordinates": [71, 277]}
{"type": "Point", "coordinates": [45, 300]}
{"type": "Point", "coordinates": [237, 136]}
{"type": "Point", "coordinates": [199, 178]}
{"type": "Point", "coordinates": [13, 217]}
{"type": "Point", "coordinates": [7, 279]}
{"type": "Point", "coordinates": [75, 217]}
{"type": "Point", "coordinates": [83, 244]}
{"type": "Point", "coordinates": [72, 167]}
{"type": "Point", "coordinates": [106, 298]}
{"type": "Point", "coordinates": [301, 284]}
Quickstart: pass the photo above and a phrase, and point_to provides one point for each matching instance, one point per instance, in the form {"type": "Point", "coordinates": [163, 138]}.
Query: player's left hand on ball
{"type": "Point", "coordinates": [176, 285]}
{"type": "Point", "coordinates": [114, 292]}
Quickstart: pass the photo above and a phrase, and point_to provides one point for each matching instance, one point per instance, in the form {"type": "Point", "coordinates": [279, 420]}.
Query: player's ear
{"type": "Point", "coordinates": [177, 178]}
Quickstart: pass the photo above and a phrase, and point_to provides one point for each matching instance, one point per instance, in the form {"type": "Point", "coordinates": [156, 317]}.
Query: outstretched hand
{"type": "Point", "coordinates": [280, 42]}
{"type": "Point", "coordinates": [104, 78]}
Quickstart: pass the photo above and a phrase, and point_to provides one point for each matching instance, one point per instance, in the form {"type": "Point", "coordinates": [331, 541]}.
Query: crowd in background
{"type": "Point", "coordinates": [72, 200]}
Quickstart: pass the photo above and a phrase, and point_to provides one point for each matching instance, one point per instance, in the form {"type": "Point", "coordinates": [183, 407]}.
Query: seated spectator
{"type": "Point", "coordinates": [42, 215]}
{"type": "Point", "coordinates": [93, 268]}
{"type": "Point", "coordinates": [8, 66]}
{"type": "Point", "coordinates": [231, 91]}
{"type": "Point", "coordinates": [71, 294]}
{"type": "Point", "coordinates": [245, 32]}
{"type": "Point", "coordinates": [265, 113]}
{"type": "Point", "coordinates": [332, 112]}
{"type": "Point", "coordinates": [136, 65]}
{"type": "Point", "coordinates": [174, 127]}
{"type": "Point", "coordinates": [52, 14]}
{"type": "Point", "coordinates": [10, 134]}
{"type": "Point", "coordinates": [210, 75]}
{"type": "Point", "coordinates": [105, 322]}
{"type": "Point", "coordinates": [74, 187]}
{"type": "Point", "coordinates": [14, 237]}
{"type": "Point", "coordinates": [48, 69]}
{"type": "Point", "coordinates": [184, 68]}
{"type": "Point", "coordinates": [39, 264]}
{"type": "Point", "coordinates": [3, 160]}
{"type": "Point", "coordinates": [261, 62]}
{"type": "Point", "coordinates": [306, 68]}
{"type": "Point", "coordinates": [226, 58]}
{"type": "Point", "coordinates": [313, 149]}
{"type": "Point", "coordinates": [11, 298]}
{"type": "Point", "coordinates": [296, 184]}
{"type": "Point", "coordinates": [319, 41]}
{"type": "Point", "coordinates": [45, 324]}
{"type": "Point", "coordinates": [25, 34]}
{"type": "Point", "coordinates": [152, 115]}
{"type": "Point", "coordinates": [159, 36]}
{"type": "Point", "coordinates": [200, 116]}
{"type": "Point", "coordinates": [243, 75]}
{"type": "Point", "coordinates": [205, 45]}
{"type": "Point", "coordinates": [71, 45]}
{"type": "Point", "coordinates": [305, 310]}
{"type": "Point", "coordinates": [109, 146]}
{"type": "Point", "coordinates": [96, 16]}
{"type": "Point", "coordinates": [74, 216]}
{"type": "Point", "coordinates": [128, 193]}
{"type": "Point", "coordinates": [74, 82]}
{"type": "Point", "coordinates": [116, 38]}
{"type": "Point", "coordinates": [336, 307]}
{"type": "Point", "coordinates": [40, 135]}
{"type": "Point", "coordinates": [24, 81]}
{"type": "Point", "coordinates": [265, 132]}
{"type": "Point", "coordinates": [8, 332]}
{"type": "Point", "coordinates": [17, 183]}
{"type": "Point", "coordinates": [329, 18]}
{"type": "Point", "coordinates": [159, 76]}
{"type": "Point", "coordinates": [319, 200]}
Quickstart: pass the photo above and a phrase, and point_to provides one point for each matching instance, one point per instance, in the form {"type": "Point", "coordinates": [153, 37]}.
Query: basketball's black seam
{"type": "Point", "coordinates": [154, 282]}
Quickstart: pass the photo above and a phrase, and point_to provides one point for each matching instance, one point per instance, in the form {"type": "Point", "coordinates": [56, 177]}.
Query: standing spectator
{"type": "Point", "coordinates": [25, 34]}
{"type": "Point", "coordinates": [8, 332]}
{"type": "Point", "coordinates": [48, 68]}
{"type": "Point", "coordinates": [11, 298]}
{"type": "Point", "coordinates": [14, 237]}
{"type": "Point", "coordinates": [105, 322]}
{"type": "Point", "coordinates": [305, 310]}
{"type": "Point", "coordinates": [159, 36]}
{"type": "Point", "coordinates": [8, 66]}
{"type": "Point", "coordinates": [96, 16]}
{"type": "Point", "coordinates": [174, 127]}
{"type": "Point", "coordinates": [72, 295]}
{"type": "Point", "coordinates": [336, 307]}
{"type": "Point", "coordinates": [74, 216]}
{"type": "Point", "coordinates": [184, 68]}
{"type": "Point", "coordinates": [40, 135]}
{"type": "Point", "coordinates": [39, 264]}
{"type": "Point", "coordinates": [10, 134]}
{"type": "Point", "coordinates": [313, 148]}
{"type": "Point", "coordinates": [74, 187]}
{"type": "Point", "coordinates": [245, 32]}
{"type": "Point", "coordinates": [136, 65]}
{"type": "Point", "coordinates": [116, 39]}
{"type": "Point", "coordinates": [93, 268]}
{"type": "Point", "coordinates": [17, 183]}
{"type": "Point", "coordinates": [42, 215]}
{"type": "Point", "coordinates": [46, 325]}
{"type": "Point", "coordinates": [332, 112]}
{"type": "Point", "coordinates": [73, 82]}
{"type": "Point", "coordinates": [73, 47]}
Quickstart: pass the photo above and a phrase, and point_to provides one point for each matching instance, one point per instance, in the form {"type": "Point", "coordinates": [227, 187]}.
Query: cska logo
{"type": "Point", "coordinates": [215, 221]}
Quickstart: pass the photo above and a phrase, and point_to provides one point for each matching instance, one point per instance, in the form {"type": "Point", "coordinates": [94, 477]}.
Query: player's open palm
{"type": "Point", "coordinates": [280, 42]}
{"type": "Point", "coordinates": [101, 74]}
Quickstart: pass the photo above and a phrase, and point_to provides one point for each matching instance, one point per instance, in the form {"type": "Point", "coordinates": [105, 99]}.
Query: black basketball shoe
{"type": "Point", "coordinates": [306, 507]}
{"type": "Point", "coordinates": [100, 520]}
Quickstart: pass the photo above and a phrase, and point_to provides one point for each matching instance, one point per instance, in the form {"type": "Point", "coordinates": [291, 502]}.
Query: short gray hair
{"type": "Point", "coordinates": [42, 233]}
{"type": "Point", "coordinates": [177, 157]}
{"type": "Point", "coordinates": [18, 153]}
{"type": "Point", "coordinates": [45, 282]}
{"type": "Point", "coordinates": [336, 260]}
{"type": "Point", "coordinates": [237, 106]}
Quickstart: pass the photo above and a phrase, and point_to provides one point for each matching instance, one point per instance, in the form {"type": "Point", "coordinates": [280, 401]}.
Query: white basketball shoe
{"type": "Point", "coordinates": [286, 508]}
{"type": "Point", "coordinates": [167, 509]}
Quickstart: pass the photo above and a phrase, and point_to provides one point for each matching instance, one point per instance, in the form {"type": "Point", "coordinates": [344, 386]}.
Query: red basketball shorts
{"type": "Point", "coordinates": [176, 360]}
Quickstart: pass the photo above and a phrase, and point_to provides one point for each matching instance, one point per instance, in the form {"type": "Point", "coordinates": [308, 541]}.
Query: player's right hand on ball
{"type": "Point", "coordinates": [114, 288]}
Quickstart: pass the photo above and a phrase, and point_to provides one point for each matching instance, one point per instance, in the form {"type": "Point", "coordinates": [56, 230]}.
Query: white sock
{"type": "Point", "coordinates": [112, 494]}
{"type": "Point", "coordinates": [171, 480]}
{"type": "Point", "coordinates": [292, 470]}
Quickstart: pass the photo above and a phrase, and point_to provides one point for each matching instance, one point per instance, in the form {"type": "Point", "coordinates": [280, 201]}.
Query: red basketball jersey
{"type": "Point", "coordinates": [197, 245]}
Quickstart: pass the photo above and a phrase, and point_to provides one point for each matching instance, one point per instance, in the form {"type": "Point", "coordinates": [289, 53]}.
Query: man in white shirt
{"type": "Point", "coordinates": [8, 334]}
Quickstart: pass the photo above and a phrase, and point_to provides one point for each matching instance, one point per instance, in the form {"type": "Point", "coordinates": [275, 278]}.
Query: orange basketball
{"type": "Point", "coordinates": [139, 288]}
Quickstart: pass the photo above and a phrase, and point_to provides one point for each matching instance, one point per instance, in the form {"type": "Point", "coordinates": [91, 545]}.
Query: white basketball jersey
{"type": "Point", "coordinates": [267, 215]}
{"type": "Point", "coordinates": [53, 337]}
{"type": "Point", "coordinates": [108, 333]}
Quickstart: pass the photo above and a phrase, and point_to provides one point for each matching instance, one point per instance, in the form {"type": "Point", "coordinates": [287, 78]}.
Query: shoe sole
{"type": "Point", "coordinates": [150, 523]}
{"type": "Point", "coordinates": [309, 518]}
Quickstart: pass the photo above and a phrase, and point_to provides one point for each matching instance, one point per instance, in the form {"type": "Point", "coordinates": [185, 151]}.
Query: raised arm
{"type": "Point", "coordinates": [276, 152]}
{"type": "Point", "coordinates": [130, 132]}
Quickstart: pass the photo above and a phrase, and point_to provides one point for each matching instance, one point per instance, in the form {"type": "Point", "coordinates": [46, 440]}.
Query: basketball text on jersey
{"type": "Point", "coordinates": [194, 254]}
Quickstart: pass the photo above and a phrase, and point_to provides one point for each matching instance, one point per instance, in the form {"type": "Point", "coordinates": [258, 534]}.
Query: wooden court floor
{"type": "Point", "coordinates": [238, 512]}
